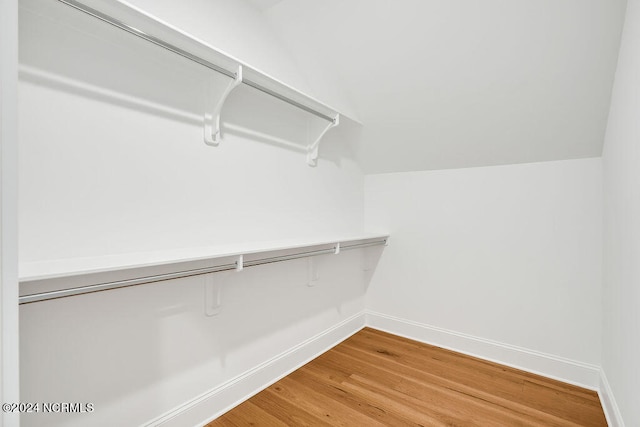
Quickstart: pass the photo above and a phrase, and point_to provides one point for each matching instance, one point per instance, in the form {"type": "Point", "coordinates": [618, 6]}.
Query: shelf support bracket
{"type": "Point", "coordinates": [212, 296]}
{"type": "Point", "coordinates": [312, 150]}
{"type": "Point", "coordinates": [313, 271]}
{"type": "Point", "coordinates": [212, 116]}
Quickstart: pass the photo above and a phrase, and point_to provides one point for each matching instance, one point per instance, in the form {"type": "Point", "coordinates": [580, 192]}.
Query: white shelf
{"type": "Point", "coordinates": [149, 24]}
{"type": "Point", "coordinates": [67, 277]}
{"type": "Point", "coordinates": [130, 19]}
{"type": "Point", "coordinates": [52, 269]}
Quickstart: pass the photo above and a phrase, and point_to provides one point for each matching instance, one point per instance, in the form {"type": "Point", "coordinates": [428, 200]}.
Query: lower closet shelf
{"type": "Point", "coordinates": [62, 278]}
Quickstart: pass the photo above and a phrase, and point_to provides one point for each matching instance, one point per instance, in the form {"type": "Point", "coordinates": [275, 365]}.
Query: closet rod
{"type": "Point", "coordinates": [159, 42]}
{"type": "Point", "coordinates": [43, 296]}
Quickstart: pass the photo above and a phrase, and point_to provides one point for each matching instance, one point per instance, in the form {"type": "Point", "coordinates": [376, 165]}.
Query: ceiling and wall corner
{"type": "Point", "coordinates": [453, 84]}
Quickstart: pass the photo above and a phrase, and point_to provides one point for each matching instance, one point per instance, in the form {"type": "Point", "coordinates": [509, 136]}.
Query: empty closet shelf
{"type": "Point", "coordinates": [63, 278]}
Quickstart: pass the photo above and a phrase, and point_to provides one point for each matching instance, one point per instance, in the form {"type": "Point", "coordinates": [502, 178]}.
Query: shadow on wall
{"type": "Point", "coordinates": [251, 115]}
{"type": "Point", "coordinates": [138, 352]}
{"type": "Point", "coordinates": [66, 50]}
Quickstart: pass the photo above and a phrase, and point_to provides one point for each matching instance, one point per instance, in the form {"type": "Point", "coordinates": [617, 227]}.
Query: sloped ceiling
{"type": "Point", "coordinates": [460, 83]}
{"type": "Point", "coordinates": [264, 4]}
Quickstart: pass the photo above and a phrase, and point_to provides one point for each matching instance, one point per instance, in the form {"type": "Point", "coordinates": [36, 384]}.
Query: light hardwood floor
{"type": "Point", "coordinates": [375, 379]}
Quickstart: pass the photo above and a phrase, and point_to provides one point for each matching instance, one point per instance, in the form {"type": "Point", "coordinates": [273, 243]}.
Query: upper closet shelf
{"type": "Point", "coordinates": [133, 20]}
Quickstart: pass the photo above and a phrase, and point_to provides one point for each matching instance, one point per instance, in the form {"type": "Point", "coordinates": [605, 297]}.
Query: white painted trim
{"type": "Point", "coordinates": [215, 402]}
{"type": "Point", "coordinates": [547, 365]}
{"type": "Point", "coordinates": [221, 399]}
{"type": "Point", "coordinates": [609, 405]}
{"type": "Point", "coordinates": [9, 329]}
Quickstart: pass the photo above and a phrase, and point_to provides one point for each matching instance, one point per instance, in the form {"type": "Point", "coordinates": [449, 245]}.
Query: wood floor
{"type": "Point", "coordinates": [376, 379]}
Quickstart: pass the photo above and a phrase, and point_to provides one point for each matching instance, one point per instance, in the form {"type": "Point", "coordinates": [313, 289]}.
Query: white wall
{"type": "Point", "coordinates": [113, 161]}
{"type": "Point", "coordinates": [139, 352]}
{"type": "Point", "coordinates": [508, 253]}
{"type": "Point", "coordinates": [9, 357]}
{"type": "Point", "coordinates": [621, 171]}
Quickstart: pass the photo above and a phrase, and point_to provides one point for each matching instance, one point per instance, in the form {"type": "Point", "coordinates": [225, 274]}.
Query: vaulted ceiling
{"type": "Point", "coordinates": [264, 4]}
{"type": "Point", "coordinates": [462, 83]}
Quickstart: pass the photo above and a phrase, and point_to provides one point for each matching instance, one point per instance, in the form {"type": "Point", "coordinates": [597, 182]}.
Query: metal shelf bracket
{"type": "Point", "coordinates": [212, 116]}
{"type": "Point", "coordinates": [312, 150]}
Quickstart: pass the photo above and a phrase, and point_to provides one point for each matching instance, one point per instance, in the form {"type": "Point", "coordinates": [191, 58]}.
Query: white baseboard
{"type": "Point", "coordinates": [611, 410]}
{"type": "Point", "coordinates": [219, 400]}
{"type": "Point", "coordinates": [547, 365]}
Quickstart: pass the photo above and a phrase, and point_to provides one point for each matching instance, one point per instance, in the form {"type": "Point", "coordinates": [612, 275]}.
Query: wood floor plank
{"type": "Point", "coordinates": [331, 410]}
{"type": "Point", "coordinates": [375, 378]}
{"type": "Point", "coordinates": [457, 369]}
{"type": "Point", "coordinates": [335, 391]}
{"type": "Point", "coordinates": [285, 410]}
{"type": "Point", "coordinates": [576, 404]}
{"type": "Point", "coordinates": [461, 360]}
{"type": "Point", "coordinates": [250, 415]}
{"type": "Point", "coordinates": [444, 393]}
